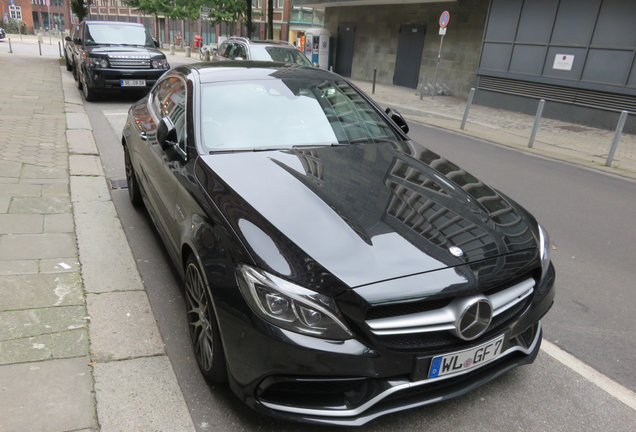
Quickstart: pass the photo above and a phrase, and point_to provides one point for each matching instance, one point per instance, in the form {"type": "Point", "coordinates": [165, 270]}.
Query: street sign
{"type": "Point", "coordinates": [442, 31]}
{"type": "Point", "coordinates": [444, 18]}
{"type": "Point", "coordinates": [205, 12]}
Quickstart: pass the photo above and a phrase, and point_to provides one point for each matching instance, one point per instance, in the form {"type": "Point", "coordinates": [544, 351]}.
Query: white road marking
{"type": "Point", "coordinates": [610, 386]}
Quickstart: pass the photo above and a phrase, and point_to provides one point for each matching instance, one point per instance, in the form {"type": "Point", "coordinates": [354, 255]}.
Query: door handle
{"type": "Point", "coordinates": [143, 136]}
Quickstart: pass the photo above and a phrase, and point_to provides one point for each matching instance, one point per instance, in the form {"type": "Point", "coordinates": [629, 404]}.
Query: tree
{"type": "Point", "coordinates": [248, 16]}
{"type": "Point", "coordinates": [229, 12]}
{"type": "Point", "coordinates": [270, 19]}
{"type": "Point", "coordinates": [80, 8]}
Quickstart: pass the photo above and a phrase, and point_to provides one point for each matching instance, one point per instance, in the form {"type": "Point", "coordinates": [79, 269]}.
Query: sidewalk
{"type": "Point", "coordinates": [79, 346]}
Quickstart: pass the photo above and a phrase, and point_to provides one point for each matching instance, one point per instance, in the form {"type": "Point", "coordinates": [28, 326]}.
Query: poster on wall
{"type": "Point", "coordinates": [563, 62]}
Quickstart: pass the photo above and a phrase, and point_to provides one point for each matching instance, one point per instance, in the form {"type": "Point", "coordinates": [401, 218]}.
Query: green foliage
{"type": "Point", "coordinates": [12, 27]}
{"type": "Point", "coordinates": [80, 8]}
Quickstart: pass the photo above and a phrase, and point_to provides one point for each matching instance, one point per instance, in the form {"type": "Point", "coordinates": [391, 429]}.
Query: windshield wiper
{"type": "Point", "coordinates": [263, 149]}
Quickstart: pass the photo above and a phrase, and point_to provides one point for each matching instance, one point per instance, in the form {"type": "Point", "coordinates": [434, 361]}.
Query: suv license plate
{"type": "Point", "coordinates": [133, 83]}
{"type": "Point", "coordinates": [463, 360]}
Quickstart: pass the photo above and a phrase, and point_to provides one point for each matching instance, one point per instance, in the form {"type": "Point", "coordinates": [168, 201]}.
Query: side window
{"type": "Point", "coordinates": [175, 107]}
{"type": "Point", "coordinates": [229, 52]}
{"type": "Point", "coordinates": [241, 51]}
{"type": "Point", "coordinates": [223, 49]}
{"type": "Point", "coordinates": [159, 95]}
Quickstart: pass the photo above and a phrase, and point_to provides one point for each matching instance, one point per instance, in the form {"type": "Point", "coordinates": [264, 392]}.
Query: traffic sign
{"type": "Point", "coordinates": [444, 18]}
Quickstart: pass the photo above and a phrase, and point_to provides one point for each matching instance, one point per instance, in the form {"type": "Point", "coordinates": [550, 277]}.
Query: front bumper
{"type": "Point", "coordinates": [296, 377]}
{"type": "Point", "coordinates": [109, 79]}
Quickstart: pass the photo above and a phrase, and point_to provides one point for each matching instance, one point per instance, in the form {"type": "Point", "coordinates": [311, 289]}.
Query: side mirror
{"type": "Point", "coordinates": [166, 133]}
{"type": "Point", "coordinates": [77, 41]}
{"type": "Point", "coordinates": [68, 39]}
{"type": "Point", "coordinates": [315, 64]}
{"type": "Point", "coordinates": [397, 119]}
{"type": "Point", "coordinates": [156, 42]}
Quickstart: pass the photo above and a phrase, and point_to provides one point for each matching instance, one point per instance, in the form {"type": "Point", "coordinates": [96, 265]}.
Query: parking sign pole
{"type": "Point", "coordinates": [444, 18]}
{"type": "Point", "coordinates": [439, 56]}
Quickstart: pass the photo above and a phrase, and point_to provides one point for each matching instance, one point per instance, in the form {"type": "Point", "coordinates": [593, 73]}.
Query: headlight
{"type": "Point", "coordinates": [97, 62]}
{"type": "Point", "coordinates": [160, 64]}
{"type": "Point", "coordinates": [290, 306]}
{"type": "Point", "coordinates": [544, 249]}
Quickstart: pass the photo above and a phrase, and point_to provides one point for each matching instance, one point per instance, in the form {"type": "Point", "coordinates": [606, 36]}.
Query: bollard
{"type": "Point", "coordinates": [59, 47]}
{"type": "Point", "coordinates": [535, 128]}
{"type": "Point", "coordinates": [40, 46]}
{"type": "Point", "coordinates": [206, 55]}
{"type": "Point", "coordinates": [468, 104]}
{"type": "Point", "coordinates": [188, 52]}
{"type": "Point", "coordinates": [617, 137]}
{"type": "Point", "coordinates": [423, 86]}
{"type": "Point", "coordinates": [330, 68]}
{"type": "Point", "coordinates": [375, 71]}
{"type": "Point", "coordinates": [10, 50]}
{"type": "Point", "coordinates": [171, 49]}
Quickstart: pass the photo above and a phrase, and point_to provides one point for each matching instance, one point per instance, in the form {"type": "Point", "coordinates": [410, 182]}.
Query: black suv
{"type": "Point", "coordinates": [116, 56]}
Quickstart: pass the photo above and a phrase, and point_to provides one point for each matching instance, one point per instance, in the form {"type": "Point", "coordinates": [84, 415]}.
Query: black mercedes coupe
{"type": "Point", "coordinates": [334, 270]}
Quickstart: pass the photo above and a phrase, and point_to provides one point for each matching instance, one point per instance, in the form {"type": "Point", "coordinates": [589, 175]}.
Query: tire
{"type": "Point", "coordinates": [69, 66]}
{"type": "Point", "coordinates": [89, 94]}
{"type": "Point", "coordinates": [78, 79]}
{"type": "Point", "coordinates": [204, 330]}
{"type": "Point", "coordinates": [134, 192]}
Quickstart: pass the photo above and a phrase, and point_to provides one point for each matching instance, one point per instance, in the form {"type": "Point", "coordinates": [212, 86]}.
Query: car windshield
{"type": "Point", "coordinates": [288, 112]}
{"type": "Point", "coordinates": [117, 34]}
{"type": "Point", "coordinates": [278, 54]}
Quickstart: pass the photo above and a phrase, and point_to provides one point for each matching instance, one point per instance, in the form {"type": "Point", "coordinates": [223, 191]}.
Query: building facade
{"type": "Point", "coordinates": [38, 16]}
{"type": "Point", "coordinates": [578, 55]}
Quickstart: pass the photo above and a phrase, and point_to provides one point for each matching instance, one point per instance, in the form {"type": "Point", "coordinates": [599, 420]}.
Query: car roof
{"type": "Point", "coordinates": [246, 70]}
{"type": "Point", "coordinates": [114, 22]}
{"type": "Point", "coordinates": [267, 42]}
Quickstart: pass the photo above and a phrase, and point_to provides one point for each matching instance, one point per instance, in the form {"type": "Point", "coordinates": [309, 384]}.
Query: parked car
{"type": "Point", "coordinates": [116, 56]}
{"type": "Point", "coordinates": [334, 270]}
{"type": "Point", "coordinates": [240, 48]}
{"type": "Point", "coordinates": [2, 33]}
{"type": "Point", "coordinates": [69, 48]}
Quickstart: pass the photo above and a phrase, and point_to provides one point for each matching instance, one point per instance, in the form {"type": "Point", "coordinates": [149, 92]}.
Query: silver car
{"type": "Point", "coordinates": [240, 48]}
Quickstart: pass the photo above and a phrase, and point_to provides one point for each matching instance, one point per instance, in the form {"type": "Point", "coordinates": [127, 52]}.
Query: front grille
{"type": "Point", "coordinates": [129, 62]}
{"type": "Point", "coordinates": [399, 309]}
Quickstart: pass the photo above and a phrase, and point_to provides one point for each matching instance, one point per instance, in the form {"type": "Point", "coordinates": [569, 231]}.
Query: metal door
{"type": "Point", "coordinates": [344, 50]}
{"type": "Point", "coordinates": [409, 55]}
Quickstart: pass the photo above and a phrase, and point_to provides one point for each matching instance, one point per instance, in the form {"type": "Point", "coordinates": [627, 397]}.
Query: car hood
{"type": "Point", "coordinates": [365, 213]}
{"type": "Point", "coordinates": [118, 50]}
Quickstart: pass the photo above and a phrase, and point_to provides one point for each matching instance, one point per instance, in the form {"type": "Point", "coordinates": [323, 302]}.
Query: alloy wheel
{"type": "Point", "coordinates": [199, 317]}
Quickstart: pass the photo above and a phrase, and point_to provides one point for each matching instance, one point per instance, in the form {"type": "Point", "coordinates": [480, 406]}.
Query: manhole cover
{"type": "Point", "coordinates": [118, 183]}
{"type": "Point", "coordinates": [573, 128]}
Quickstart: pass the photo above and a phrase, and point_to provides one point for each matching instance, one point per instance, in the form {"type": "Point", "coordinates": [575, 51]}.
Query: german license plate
{"type": "Point", "coordinates": [133, 83]}
{"type": "Point", "coordinates": [468, 359]}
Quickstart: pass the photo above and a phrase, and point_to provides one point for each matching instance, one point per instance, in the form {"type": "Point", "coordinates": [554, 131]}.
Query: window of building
{"type": "Point", "coordinates": [57, 2]}
{"type": "Point", "coordinates": [280, 4]}
{"type": "Point", "coordinates": [15, 12]}
{"type": "Point", "coordinates": [257, 4]}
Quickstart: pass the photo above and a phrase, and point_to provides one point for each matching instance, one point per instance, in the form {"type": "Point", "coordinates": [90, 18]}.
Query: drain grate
{"type": "Point", "coordinates": [118, 183]}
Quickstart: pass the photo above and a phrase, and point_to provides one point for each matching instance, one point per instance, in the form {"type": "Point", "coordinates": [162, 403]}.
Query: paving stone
{"type": "Point", "coordinates": [107, 262]}
{"type": "Point", "coordinates": [40, 290]}
{"type": "Point", "coordinates": [76, 120]}
{"type": "Point", "coordinates": [21, 223]}
{"type": "Point", "coordinates": [89, 189]}
{"type": "Point", "coordinates": [72, 343]}
{"type": "Point", "coordinates": [25, 350]}
{"type": "Point", "coordinates": [59, 190]}
{"type": "Point", "coordinates": [10, 169]}
{"type": "Point", "coordinates": [122, 326]}
{"type": "Point", "coordinates": [59, 265]}
{"type": "Point", "coordinates": [43, 181]}
{"type": "Point", "coordinates": [140, 395]}
{"type": "Point", "coordinates": [4, 204]}
{"type": "Point", "coordinates": [40, 205]}
{"type": "Point", "coordinates": [18, 267]}
{"type": "Point", "coordinates": [59, 223]}
{"type": "Point", "coordinates": [38, 172]}
{"type": "Point", "coordinates": [34, 322]}
{"type": "Point", "coordinates": [20, 190]}
{"type": "Point", "coordinates": [53, 395]}
{"type": "Point", "coordinates": [37, 246]}
{"type": "Point", "coordinates": [81, 141]}
{"type": "Point", "coordinates": [85, 165]}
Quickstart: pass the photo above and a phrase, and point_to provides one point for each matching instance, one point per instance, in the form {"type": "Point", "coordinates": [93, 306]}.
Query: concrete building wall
{"type": "Point", "coordinates": [376, 40]}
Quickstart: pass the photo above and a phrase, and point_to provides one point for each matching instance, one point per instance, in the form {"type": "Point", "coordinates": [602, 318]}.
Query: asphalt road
{"type": "Point", "coordinates": [588, 215]}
